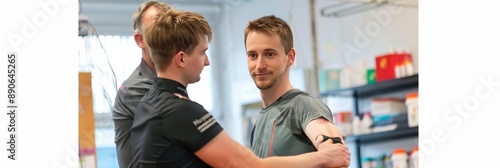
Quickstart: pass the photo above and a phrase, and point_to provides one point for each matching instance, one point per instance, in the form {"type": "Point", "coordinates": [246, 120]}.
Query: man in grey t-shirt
{"type": "Point", "coordinates": [291, 122]}
{"type": "Point", "coordinates": [280, 128]}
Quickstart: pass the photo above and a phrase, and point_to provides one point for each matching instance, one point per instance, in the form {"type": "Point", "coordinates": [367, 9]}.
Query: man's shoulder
{"type": "Point", "coordinates": [140, 77]}
{"type": "Point", "coordinates": [188, 105]}
{"type": "Point", "coordinates": [302, 98]}
{"type": "Point", "coordinates": [304, 102]}
{"type": "Point", "coordinates": [134, 82]}
{"type": "Point", "coordinates": [171, 101]}
{"type": "Point", "coordinates": [136, 79]}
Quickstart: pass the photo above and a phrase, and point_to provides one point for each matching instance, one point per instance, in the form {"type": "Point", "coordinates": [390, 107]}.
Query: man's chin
{"type": "Point", "coordinates": [263, 86]}
{"type": "Point", "coordinates": [194, 81]}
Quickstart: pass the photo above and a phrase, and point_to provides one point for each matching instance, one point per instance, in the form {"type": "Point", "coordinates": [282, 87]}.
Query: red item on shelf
{"type": "Point", "coordinates": [386, 64]}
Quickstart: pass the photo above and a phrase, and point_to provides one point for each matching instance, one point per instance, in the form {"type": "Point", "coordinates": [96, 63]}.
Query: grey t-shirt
{"type": "Point", "coordinates": [280, 127]}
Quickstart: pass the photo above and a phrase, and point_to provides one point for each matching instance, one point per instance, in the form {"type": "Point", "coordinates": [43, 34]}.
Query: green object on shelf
{"type": "Point", "coordinates": [371, 76]}
{"type": "Point", "coordinates": [329, 79]}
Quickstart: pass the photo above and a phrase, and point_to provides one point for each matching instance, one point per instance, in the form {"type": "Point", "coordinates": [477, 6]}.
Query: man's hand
{"type": "Point", "coordinates": [337, 155]}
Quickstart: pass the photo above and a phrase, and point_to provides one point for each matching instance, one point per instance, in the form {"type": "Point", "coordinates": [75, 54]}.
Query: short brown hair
{"type": "Point", "coordinates": [272, 25]}
{"type": "Point", "coordinates": [174, 31]}
{"type": "Point", "coordinates": [137, 17]}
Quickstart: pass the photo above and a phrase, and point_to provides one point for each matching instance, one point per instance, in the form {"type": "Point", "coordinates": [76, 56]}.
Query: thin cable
{"type": "Point", "coordinates": [107, 60]}
{"type": "Point", "coordinates": [105, 90]}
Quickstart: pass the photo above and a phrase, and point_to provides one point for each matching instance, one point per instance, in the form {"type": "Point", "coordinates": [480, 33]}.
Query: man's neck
{"type": "Point", "coordinates": [150, 65]}
{"type": "Point", "coordinates": [172, 75]}
{"type": "Point", "coordinates": [272, 94]}
{"type": "Point", "coordinates": [148, 61]}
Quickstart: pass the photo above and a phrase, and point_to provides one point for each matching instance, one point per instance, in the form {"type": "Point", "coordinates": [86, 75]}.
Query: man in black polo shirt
{"type": "Point", "coordinates": [170, 130]}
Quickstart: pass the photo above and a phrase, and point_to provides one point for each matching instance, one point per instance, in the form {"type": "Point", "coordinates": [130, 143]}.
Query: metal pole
{"type": "Point", "coordinates": [313, 83]}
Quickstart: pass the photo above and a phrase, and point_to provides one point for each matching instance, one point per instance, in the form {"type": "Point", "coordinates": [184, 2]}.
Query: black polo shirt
{"type": "Point", "coordinates": [168, 128]}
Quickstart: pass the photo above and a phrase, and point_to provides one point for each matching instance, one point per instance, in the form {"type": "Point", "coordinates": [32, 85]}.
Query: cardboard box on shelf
{"type": "Point", "coordinates": [380, 106]}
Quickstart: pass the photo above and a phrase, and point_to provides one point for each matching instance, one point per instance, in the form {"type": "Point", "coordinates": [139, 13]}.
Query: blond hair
{"type": "Point", "coordinates": [174, 31]}
{"type": "Point", "coordinates": [272, 25]}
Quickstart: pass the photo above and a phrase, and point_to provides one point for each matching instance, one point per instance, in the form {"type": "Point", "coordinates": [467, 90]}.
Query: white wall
{"type": "Point", "coordinates": [369, 34]}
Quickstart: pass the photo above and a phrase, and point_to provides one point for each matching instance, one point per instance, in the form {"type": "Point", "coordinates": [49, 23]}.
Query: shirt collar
{"type": "Point", "coordinates": [284, 96]}
{"type": "Point", "coordinates": [170, 86]}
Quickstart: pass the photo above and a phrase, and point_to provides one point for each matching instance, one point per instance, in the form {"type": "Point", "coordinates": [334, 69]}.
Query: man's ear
{"type": "Point", "coordinates": [291, 57]}
{"type": "Point", "coordinates": [139, 40]}
{"type": "Point", "coordinates": [179, 59]}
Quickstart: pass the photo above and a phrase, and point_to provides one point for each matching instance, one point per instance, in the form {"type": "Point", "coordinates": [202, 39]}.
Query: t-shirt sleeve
{"type": "Point", "coordinates": [313, 109]}
{"type": "Point", "coordinates": [191, 125]}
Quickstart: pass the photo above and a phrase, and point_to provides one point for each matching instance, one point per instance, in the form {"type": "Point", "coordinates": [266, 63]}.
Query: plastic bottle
{"type": "Point", "coordinates": [367, 163]}
{"type": "Point", "coordinates": [366, 122]}
{"type": "Point", "coordinates": [412, 105]}
{"type": "Point", "coordinates": [408, 63]}
{"type": "Point", "coordinates": [356, 125]}
{"type": "Point", "coordinates": [387, 161]}
{"type": "Point", "coordinates": [361, 73]}
{"type": "Point", "coordinates": [397, 71]}
{"type": "Point", "coordinates": [379, 162]}
{"type": "Point", "coordinates": [414, 158]}
{"type": "Point", "coordinates": [409, 68]}
{"type": "Point", "coordinates": [346, 77]}
{"type": "Point", "coordinates": [399, 158]}
{"type": "Point", "coordinates": [402, 70]}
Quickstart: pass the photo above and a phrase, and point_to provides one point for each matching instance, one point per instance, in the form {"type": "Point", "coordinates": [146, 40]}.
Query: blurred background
{"type": "Point", "coordinates": [359, 56]}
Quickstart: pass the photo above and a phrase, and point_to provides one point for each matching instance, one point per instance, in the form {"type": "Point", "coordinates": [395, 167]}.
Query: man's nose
{"type": "Point", "coordinates": [261, 63]}
{"type": "Point", "coordinates": [207, 62]}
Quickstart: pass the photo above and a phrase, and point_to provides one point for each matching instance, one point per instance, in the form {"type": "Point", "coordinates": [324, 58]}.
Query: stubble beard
{"type": "Point", "coordinates": [264, 85]}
